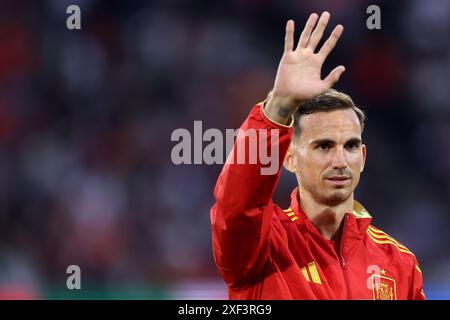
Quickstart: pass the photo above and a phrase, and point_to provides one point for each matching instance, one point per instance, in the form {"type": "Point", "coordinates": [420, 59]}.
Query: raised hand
{"type": "Point", "coordinates": [299, 72]}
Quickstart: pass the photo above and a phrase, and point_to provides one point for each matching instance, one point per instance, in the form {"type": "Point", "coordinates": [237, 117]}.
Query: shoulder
{"type": "Point", "coordinates": [285, 219]}
{"type": "Point", "coordinates": [389, 245]}
{"type": "Point", "coordinates": [287, 216]}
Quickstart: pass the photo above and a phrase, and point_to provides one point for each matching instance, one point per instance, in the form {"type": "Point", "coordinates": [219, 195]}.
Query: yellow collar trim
{"type": "Point", "coordinates": [359, 211]}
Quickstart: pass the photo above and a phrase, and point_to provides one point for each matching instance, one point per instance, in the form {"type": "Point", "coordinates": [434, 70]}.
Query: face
{"type": "Point", "coordinates": [329, 156]}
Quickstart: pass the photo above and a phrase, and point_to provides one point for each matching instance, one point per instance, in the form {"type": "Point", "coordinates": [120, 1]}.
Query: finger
{"type": "Point", "coordinates": [289, 37]}
{"type": "Point", "coordinates": [328, 46]}
{"type": "Point", "coordinates": [306, 33]}
{"type": "Point", "coordinates": [334, 76]}
{"type": "Point", "coordinates": [318, 31]}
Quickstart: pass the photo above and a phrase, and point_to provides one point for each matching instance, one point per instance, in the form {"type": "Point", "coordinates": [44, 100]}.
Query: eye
{"type": "Point", "coordinates": [323, 146]}
{"type": "Point", "coordinates": [352, 146]}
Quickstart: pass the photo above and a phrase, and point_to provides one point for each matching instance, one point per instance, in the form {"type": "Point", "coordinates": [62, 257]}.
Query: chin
{"type": "Point", "coordinates": [336, 197]}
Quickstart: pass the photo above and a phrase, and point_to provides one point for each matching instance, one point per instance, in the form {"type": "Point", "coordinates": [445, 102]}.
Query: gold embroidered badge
{"type": "Point", "coordinates": [384, 288]}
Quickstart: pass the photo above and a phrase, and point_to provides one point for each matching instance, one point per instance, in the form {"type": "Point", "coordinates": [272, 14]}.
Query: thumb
{"type": "Point", "coordinates": [334, 76]}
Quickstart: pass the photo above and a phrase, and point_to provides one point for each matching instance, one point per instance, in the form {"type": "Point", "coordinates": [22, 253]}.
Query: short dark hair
{"type": "Point", "coordinates": [329, 101]}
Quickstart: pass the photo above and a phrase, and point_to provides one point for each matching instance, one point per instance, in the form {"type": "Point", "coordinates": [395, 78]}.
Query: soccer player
{"type": "Point", "coordinates": [323, 246]}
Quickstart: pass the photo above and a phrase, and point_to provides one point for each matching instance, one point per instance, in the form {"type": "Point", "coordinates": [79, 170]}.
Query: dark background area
{"type": "Point", "coordinates": [86, 117]}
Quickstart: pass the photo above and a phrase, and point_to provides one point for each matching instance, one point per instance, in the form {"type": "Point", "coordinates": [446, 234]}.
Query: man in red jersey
{"type": "Point", "coordinates": [323, 246]}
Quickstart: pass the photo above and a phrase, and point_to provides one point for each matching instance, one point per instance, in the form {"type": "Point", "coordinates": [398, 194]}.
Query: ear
{"type": "Point", "coordinates": [289, 160]}
{"type": "Point", "coordinates": [364, 153]}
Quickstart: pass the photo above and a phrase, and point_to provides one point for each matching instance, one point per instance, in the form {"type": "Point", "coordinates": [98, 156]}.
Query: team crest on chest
{"type": "Point", "coordinates": [384, 288]}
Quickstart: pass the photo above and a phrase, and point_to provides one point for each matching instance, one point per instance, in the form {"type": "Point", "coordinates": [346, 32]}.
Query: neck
{"type": "Point", "coordinates": [327, 219]}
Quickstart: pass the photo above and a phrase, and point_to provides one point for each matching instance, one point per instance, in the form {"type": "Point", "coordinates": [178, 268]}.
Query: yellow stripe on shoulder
{"type": "Point", "coordinates": [291, 214]}
{"type": "Point", "coordinates": [385, 236]}
{"type": "Point", "coordinates": [378, 233]}
{"type": "Point", "coordinates": [388, 241]}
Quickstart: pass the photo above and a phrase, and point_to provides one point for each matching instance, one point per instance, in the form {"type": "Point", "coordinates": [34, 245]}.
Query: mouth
{"type": "Point", "coordinates": [338, 180]}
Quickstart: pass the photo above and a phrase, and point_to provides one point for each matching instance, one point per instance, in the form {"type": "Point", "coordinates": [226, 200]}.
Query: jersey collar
{"type": "Point", "coordinates": [357, 221]}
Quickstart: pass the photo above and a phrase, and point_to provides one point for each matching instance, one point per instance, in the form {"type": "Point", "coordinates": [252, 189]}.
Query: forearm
{"type": "Point", "coordinates": [245, 185]}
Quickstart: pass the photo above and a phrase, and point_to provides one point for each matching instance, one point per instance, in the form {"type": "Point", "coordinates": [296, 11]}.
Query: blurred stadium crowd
{"type": "Point", "coordinates": [86, 117]}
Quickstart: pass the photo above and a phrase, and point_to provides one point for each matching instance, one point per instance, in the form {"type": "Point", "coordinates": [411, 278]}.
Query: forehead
{"type": "Point", "coordinates": [331, 125]}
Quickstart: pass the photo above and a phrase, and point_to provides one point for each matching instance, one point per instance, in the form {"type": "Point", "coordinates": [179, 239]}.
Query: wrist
{"type": "Point", "coordinates": [280, 109]}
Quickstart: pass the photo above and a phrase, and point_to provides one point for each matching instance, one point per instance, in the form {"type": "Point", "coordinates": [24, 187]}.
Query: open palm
{"type": "Point", "coordinates": [299, 72]}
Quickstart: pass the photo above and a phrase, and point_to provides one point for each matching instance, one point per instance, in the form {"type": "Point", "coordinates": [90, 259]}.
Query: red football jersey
{"type": "Point", "coordinates": [264, 252]}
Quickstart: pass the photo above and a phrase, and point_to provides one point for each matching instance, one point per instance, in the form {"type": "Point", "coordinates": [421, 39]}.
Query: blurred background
{"type": "Point", "coordinates": [86, 116]}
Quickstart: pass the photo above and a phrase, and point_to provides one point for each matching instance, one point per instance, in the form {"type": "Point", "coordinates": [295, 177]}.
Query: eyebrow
{"type": "Point", "coordinates": [332, 142]}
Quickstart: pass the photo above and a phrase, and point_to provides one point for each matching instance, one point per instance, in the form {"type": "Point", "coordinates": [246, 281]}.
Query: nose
{"type": "Point", "coordinates": [339, 160]}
